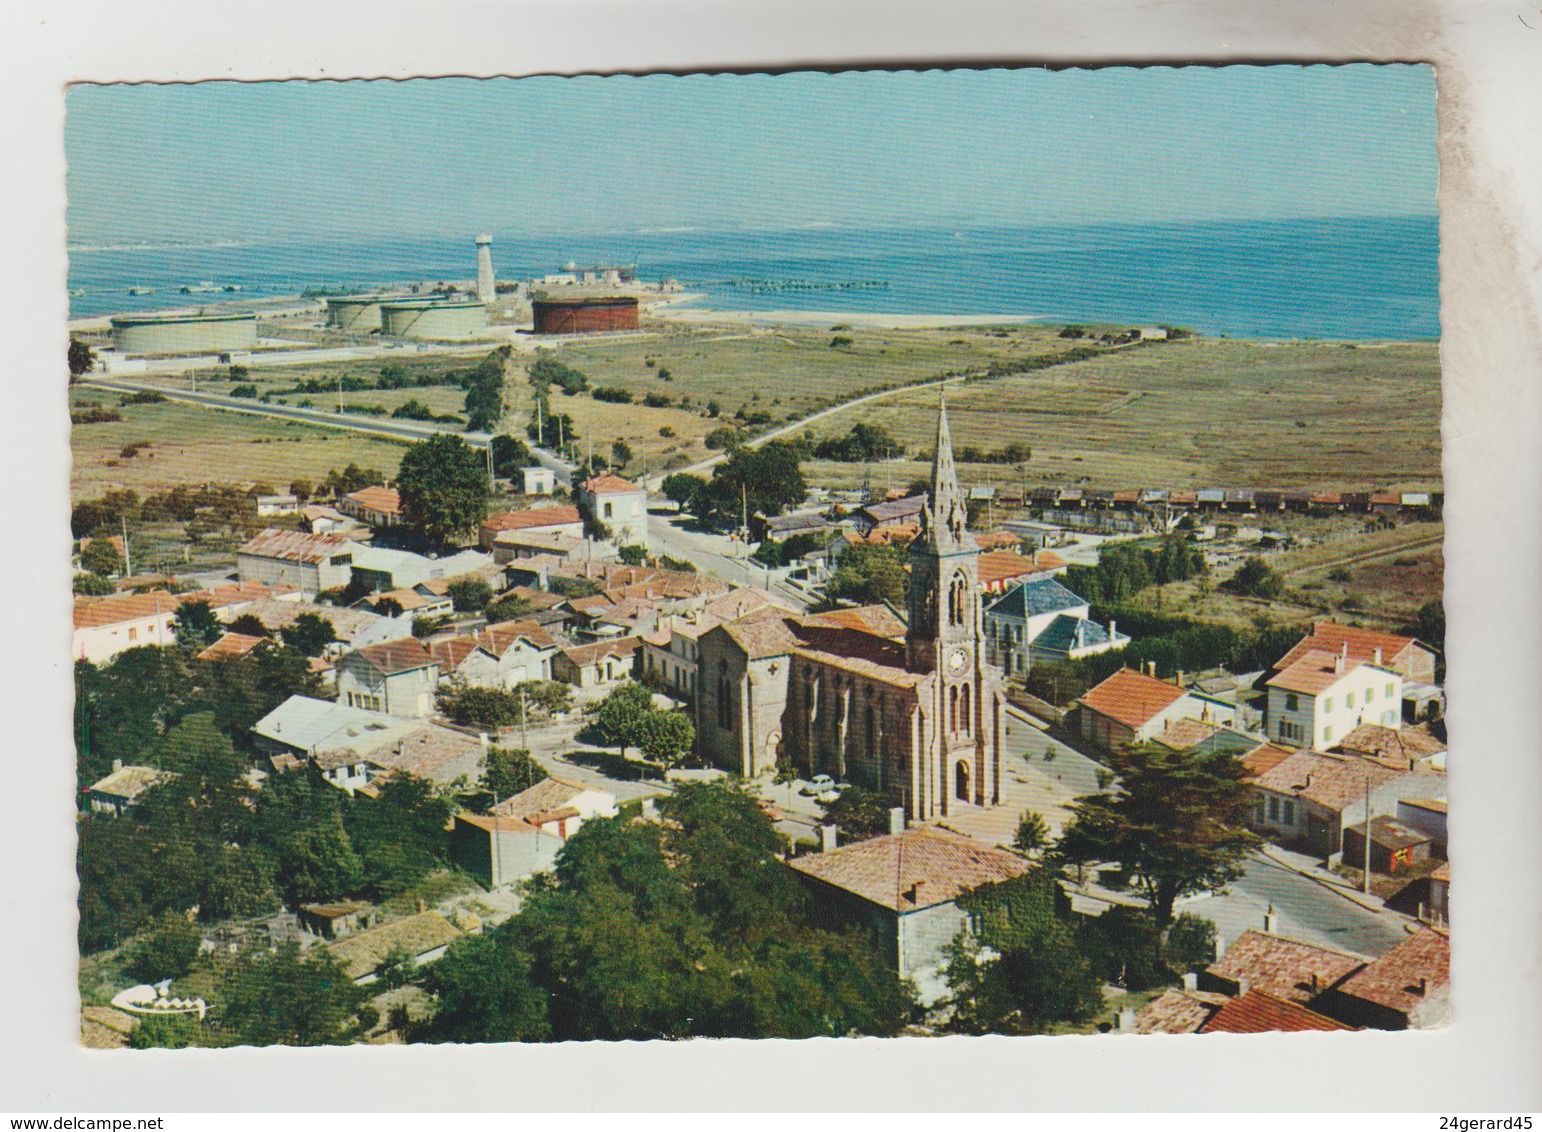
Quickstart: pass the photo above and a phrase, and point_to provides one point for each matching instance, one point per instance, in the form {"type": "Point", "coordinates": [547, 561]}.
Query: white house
{"type": "Point", "coordinates": [379, 569]}
{"type": "Point", "coordinates": [396, 677]}
{"type": "Point", "coordinates": [1321, 697]}
{"type": "Point", "coordinates": [521, 836]}
{"type": "Point", "coordinates": [1042, 619]}
{"type": "Point", "coordinates": [106, 626]}
{"type": "Point", "coordinates": [557, 520]}
{"type": "Point", "coordinates": [269, 505]}
{"type": "Point", "coordinates": [310, 562]}
{"type": "Point", "coordinates": [618, 504]}
{"type": "Point", "coordinates": [1135, 707]}
{"type": "Point", "coordinates": [1309, 799]}
{"type": "Point", "coordinates": [500, 656]}
{"type": "Point", "coordinates": [120, 789]}
{"type": "Point", "coordinates": [539, 480]}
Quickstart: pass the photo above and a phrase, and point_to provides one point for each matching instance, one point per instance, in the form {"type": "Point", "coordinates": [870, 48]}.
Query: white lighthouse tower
{"type": "Point", "coordinates": [487, 291]}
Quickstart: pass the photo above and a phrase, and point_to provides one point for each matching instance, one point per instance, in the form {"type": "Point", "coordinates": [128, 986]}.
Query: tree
{"type": "Point", "coordinates": [1190, 944]}
{"type": "Point", "coordinates": [82, 358]}
{"type": "Point", "coordinates": [399, 835]}
{"type": "Point", "coordinates": [397, 968]}
{"type": "Point", "coordinates": [510, 455]}
{"type": "Point", "coordinates": [488, 708]}
{"type": "Point", "coordinates": [666, 737]}
{"type": "Point", "coordinates": [282, 998]}
{"type": "Point", "coordinates": [1429, 625]}
{"type": "Point", "coordinates": [511, 771]}
{"type": "Point", "coordinates": [484, 400]}
{"type": "Point", "coordinates": [684, 489]}
{"type": "Point", "coordinates": [760, 481]}
{"type": "Point", "coordinates": [443, 487]}
{"type": "Point", "coordinates": [859, 814]}
{"type": "Point", "coordinates": [620, 453]}
{"type": "Point", "coordinates": [869, 574]}
{"type": "Point", "coordinates": [165, 951]}
{"type": "Point", "coordinates": [509, 608]}
{"type": "Point", "coordinates": [299, 823]}
{"type": "Point", "coordinates": [1176, 823]}
{"type": "Point", "coordinates": [310, 633]}
{"type": "Point", "coordinates": [1032, 834]}
{"type": "Point", "coordinates": [1124, 946]}
{"type": "Point", "coordinates": [101, 557]}
{"type": "Point", "coordinates": [195, 625]}
{"type": "Point", "coordinates": [485, 993]}
{"type": "Point", "coordinates": [619, 720]}
{"type": "Point", "coordinates": [1255, 578]}
{"type": "Point", "coordinates": [470, 595]}
{"type": "Point", "coordinates": [249, 625]}
{"type": "Point", "coordinates": [634, 554]}
{"type": "Point", "coordinates": [1020, 972]}
{"type": "Point", "coordinates": [300, 489]}
{"type": "Point", "coordinates": [92, 585]}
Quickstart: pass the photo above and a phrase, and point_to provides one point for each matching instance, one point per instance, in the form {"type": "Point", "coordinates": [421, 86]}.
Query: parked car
{"type": "Point", "coordinates": [819, 784]}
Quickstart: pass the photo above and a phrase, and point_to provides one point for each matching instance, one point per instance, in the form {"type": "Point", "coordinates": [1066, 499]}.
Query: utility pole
{"type": "Point", "coordinates": [128, 559]}
{"type": "Point", "coordinates": [339, 393]}
{"type": "Point", "coordinates": [524, 723]}
{"type": "Point", "coordinates": [540, 423]}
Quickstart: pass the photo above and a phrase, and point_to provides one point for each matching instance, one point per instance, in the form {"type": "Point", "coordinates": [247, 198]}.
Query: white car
{"type": "Point", "coordinates": [829, 796]}
{"type": "Point", "coordinates": [822, 783]}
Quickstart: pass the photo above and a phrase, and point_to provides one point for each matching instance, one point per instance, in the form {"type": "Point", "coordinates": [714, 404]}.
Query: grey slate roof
{"type": "Point", "coordinates": [1066, 633]}
{"type": "Point", "coordinates": [1033, 597]}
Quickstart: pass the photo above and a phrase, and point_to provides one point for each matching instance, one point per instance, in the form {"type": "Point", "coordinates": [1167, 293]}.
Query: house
{"type": "Point", "coordinates": [1428, 816]}
{"type": "Point", "coordinates": [119, 790]}
{"type": "Point", "coordinates": [618, 506]}
{"type": "Point", "coordinates": [1411, 659]}
{"type": "Point", "coordinates": [311, 563]}
{"type": "Point", "coordinates": [377, 506]}
{"type": "Point", "coordinates": [395, 677]}
{"type": "Point", "coordinates": [1179, 1011]}
{"type": "Point", "coordinates": [781, 527]}
{"type": "Point", "coordinates": [319, 519]}
{"type": "Point", "coordinates": [511, 546]}
{"type": "Point", "coordinates": [1395, 847]}
{"type": "Point", "coordinates": [1017, 621]}
{"type": "Point", "coordinates": [558, 519]}
{"type": "Point", "coordinates": [1413, 748]}
{"type": "Point", "coordinates": [1259, 1012]}
{"type": "Point", "coordinates": [269, 505]}
{"type": "Point", "coordinates": [889, 513]}
{"type": "Point", "coordinates": [106, 626]}
{"type": "Point", "coordinates": [896, 534]}
{"type": "Point", "coordinates": [409, 603]}
{"type": "Point", "coordinates": [425, 937]}
{"type": "Point", "coordinates": [354, 628]}
{"type": "Point", "coordinates": [1001, 569]}
{"type": "Point", "coordinates": [598, 665]}
{"type": "Point", "coordinates": [1135, 707]}
{"type": "Point", "coordinates": [499, 656]}
{"type": "Point", "coordinates": [538, 480]}
{"type": "Point", "coordinates": [904, 889]}
{"type": "Point", "coordinates": [1309, 799]}
{"type": "Point", "coordinates": [337, 919]}
{"type": "Point", "coordinates": [1408, 988]}
{"type": "Point", "coordinates": [232, 645]}
{"type": "Point", "coordinates": [1286, 968]}
{"type": "Point", "coordinates": [521, 836]}
{"type": "Point", "coordinates": [670, 652]}
{"type": "Point", "coordinates": [378, 569]}
{"type": "Point", "coordinates": [1320, 697]}
{"type": "Point", "coordinates": [354, 747]}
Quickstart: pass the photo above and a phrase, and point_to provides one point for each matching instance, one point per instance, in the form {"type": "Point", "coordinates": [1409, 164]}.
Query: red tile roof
{"type": "Point", "coordinates": [583, 655]}
{"type": "Point", "coordinates": [1313, 672]}
{"type": "Point", "coordinates": [500, 638]}
{"type": "Point", "coordinates": [231, 645]}
{"type": "Point", "coordinates": [390, 657]}
{"type": "Point", "coordinates": [1259, 1012]}
{"type": "Point", "coordinates": [98, 612]}
{"type": "Point", "coordinates": [1265, 757]}
{"type": "Point", "coordinates": [555, 516]}
{"type": "Point", "coordinates": [1131, 698]}
{"type": "Point", "coordinates": [451, 652]}
{"type": "Point", "coordinates": [609, 485]}
{"type": "Point", "coordinates": [1379, 742]}
{"type": "Point", "coordinates": [1284, 967]}
{"type": "Point", "coordinates": [1178, 1012]}
{"type": "Point", "coordinates": [1332, 781]}
{"type": "Point", "coordinates": [919, 868]}
{"type": "Point", "coordinates": [380, 498]}
{"type": "Point", "coordinates": [1181, 734]}
{"type": "Point", "coordinates": [1331, 637]}
{"type": "Point", "coordinates": [1405, 977]}
{"type": "Point", "coordinates": [999, 566]}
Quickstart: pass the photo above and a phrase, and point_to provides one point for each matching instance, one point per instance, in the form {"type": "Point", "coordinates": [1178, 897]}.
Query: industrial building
{"type": "Point", "coordinates": [585, 316]}
{"type": "Point", "coordinates": [433, 318]}
{"type": "Point", "coordinates": [355, 312]}
{"type": "Point", "coordinates": [183, 333]}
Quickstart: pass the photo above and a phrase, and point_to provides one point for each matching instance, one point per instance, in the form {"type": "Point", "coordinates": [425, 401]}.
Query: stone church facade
{"type": "Point", "coordinates": [910, 709]}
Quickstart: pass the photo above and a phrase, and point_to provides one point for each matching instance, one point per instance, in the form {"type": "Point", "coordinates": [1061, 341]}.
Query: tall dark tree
{"type": "Point", "coordinates": [284, 998]}
{"type": "Point", "coordinates": [195, 625]}
{"type": "Point", "coordinates": [443, 488]}
{"type": "Point", "coordinates": [756, 481]}
{"type": "Point", "coordinates": [485, 993]}
{"type": "Point", "coordinates": [399, 836]}
{"type": "Point", "coordinates": [81, 358]}
{"type": "Point", "coordinates": [1176, 822]}
{"type": "Point", "coordinates": [309, 633]}
{"type": "Point", "coordinates": [511, 771]}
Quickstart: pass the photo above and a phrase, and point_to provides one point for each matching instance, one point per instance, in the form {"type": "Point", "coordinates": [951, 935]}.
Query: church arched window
{"type": "Point", "coordinates": [953, 708]}
{"type": "Point", "coordinates": [963, 710]}
{"type": "Point", "coordinates": [957, 599]}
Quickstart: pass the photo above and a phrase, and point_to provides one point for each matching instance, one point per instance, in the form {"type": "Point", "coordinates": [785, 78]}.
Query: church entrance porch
{"type": "Point", "coordinates": [961, 774]}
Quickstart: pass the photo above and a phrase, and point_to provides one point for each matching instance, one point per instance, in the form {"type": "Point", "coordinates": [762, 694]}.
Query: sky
{"type": "Point", "coordinates": [430, 157]}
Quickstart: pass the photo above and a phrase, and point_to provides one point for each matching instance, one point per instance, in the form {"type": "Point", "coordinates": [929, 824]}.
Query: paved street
{"type": "Point", "coordinates": [551, 743]}
{"type": "Point", "coordinates": [712, 554]}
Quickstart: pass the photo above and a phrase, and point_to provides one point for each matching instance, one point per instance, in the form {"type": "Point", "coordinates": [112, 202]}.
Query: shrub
{"type": "Point", "coordinates": [612, 394]}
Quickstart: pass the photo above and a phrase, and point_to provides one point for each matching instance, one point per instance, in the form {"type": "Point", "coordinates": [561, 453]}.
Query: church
{"type": "Point", "coordinates": [908, 708]}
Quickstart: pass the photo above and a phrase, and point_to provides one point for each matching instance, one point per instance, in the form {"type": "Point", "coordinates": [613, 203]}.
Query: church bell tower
{"type": "Point", "coordinates": [944, 597]}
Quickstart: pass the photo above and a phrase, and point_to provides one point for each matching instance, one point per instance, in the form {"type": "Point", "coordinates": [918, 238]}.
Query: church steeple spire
{"type": "Point", "coordinates": [945, 513]}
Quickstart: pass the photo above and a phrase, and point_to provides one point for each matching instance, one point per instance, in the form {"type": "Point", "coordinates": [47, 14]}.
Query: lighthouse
{"type": "Point", "coordinates": [486, 290]}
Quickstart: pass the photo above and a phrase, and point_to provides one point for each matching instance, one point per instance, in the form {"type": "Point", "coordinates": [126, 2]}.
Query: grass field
{"type": "Point", "coordinates": [193, 445]}
{"type": "Point", "coordinates": [1193, 414]}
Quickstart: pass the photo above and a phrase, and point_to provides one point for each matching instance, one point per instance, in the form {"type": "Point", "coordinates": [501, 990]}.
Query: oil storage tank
{"type": "Point", "coordinates": [585, 316]}
{"type": "Point", "coordinates": [433, 318]}
{"type": "Point", "coordinates": [183, 333]}
{"type": "Point", "coordinates": [354, 312]}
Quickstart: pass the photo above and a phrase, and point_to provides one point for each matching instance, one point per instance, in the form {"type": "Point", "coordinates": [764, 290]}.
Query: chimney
{"type": "Point", "coordinates": [1112, 626]}
{"type": "Point", "coordinates": [1242, 985]}
{"type": "Point", "coordinates": [1377, 654]}
{"type": "Point", "coordinates": [1220, 946]}
{"type": "Point", "coordinates": [1127, 1021]}
{"type": "Point", "coordinates": [483, 736]}
{"type": "Point", "coordinates": [1344, 650]}
{"type": "Point", "coordinates": [916, 893]}
{"type": "Point", "coordinates": [897, 819]}
{"type": "Point", "coordinates": [1151, 669]}
{"type": "Point", "coordinates": [1178, 679]}
{"type": "Point", "coordinates": [1191, 980]}
{"type": "Point", "coordinates": [117, 765]}
{"type": "Point", "coordinates": [1271, 921]}
{"type": "Point", "coordinates": [826, 838]}
{"type": "Point", "coordinates": [1423, 987]}
{"type": "Point", "coordinates": [1338, 664]}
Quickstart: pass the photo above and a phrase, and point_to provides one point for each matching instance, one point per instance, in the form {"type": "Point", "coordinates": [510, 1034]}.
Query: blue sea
{"type": "Point", "coordinates": [1350, 278]}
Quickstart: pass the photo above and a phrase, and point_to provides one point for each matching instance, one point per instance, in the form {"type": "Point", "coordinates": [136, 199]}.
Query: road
{"type": "Point", "coordinates": [714, 554]}
{"type": "Point", "coordinates": [1307, 911]}
{"type": "Point", "coordinates": [407, 430]}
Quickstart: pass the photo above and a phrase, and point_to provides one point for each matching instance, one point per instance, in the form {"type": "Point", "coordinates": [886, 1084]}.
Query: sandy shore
{"type": "Point", "coordinates": [837, 318]}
